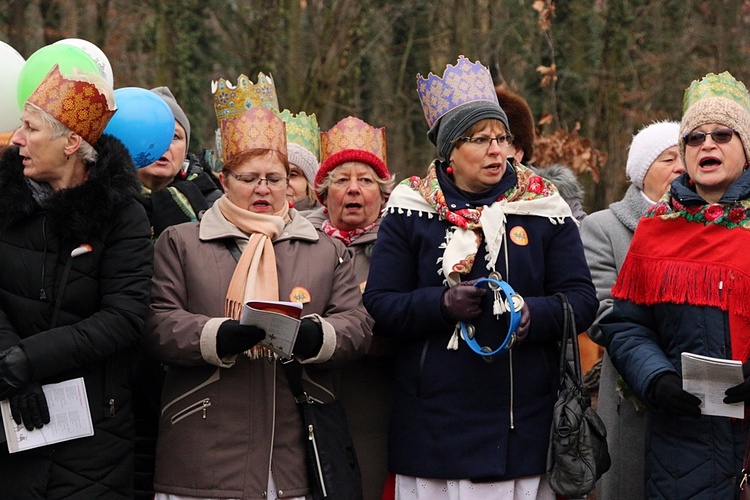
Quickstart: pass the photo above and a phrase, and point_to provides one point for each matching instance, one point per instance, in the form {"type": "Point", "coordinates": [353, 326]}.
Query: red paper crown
{"type": "Point", "coordinates": [76, 102]}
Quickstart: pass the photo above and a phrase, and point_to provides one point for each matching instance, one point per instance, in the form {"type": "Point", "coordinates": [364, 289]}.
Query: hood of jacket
{"type": "Point", "coordinates": [75, 213]}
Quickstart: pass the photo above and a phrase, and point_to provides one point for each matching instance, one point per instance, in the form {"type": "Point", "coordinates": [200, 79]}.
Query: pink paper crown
{"type": "Point", "coordinates": [461, 84]}
{"type": "Point", "coordinates": [254, 128]}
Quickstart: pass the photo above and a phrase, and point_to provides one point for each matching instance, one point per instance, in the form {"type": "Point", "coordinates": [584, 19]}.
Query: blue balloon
{"type": "Point", "coordinates": [143, 122]}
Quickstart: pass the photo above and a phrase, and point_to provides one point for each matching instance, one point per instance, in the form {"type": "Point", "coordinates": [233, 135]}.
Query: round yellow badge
{"type": "Point", "coordinates": [299, 294]}
{"type": "Point", "coordinates": [519, 237]}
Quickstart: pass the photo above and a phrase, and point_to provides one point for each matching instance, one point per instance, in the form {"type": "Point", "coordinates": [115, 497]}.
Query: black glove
{"type": "Point", "coordinates": [309, 339]}
{"type": "Point", "coordinates": [740, 392]}
{"type": "Point", "coordinates": [524, 325]}
{"type": "Point", "coordinates": [233, 338]}
{"type": "Point", "coordinates": [462, 302]}
{"type": "Point", "coordinates": [30, 407]}
{"type": "Point", "coordinates": [15, 371]}
{"type": "Point", "coordinates": [669, 396]}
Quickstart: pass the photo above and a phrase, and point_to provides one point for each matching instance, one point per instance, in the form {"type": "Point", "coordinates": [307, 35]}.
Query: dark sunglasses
{"type": "Point", "coordinates": [719, 136]}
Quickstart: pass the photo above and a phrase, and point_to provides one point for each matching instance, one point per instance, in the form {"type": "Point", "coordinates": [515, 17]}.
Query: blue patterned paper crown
{"type": "Point", "coordinates": [461, 84]}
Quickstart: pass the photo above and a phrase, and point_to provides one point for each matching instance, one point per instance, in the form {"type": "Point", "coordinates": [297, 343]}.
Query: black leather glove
{"type": "Point", "coordinates": [524, 325]}
{"type": "Point", "coordinates": [462, 302]}
{"type": "Point", "coordinates": [740, 392]}
{"type": "Point", "coordinates": [30, 407]}
{"type": "Point", "coordinates": [669, 396]}
{"type": "Point", "coordinates": [15, 371]}
{"type": "Point", "coordinates": [309, 339]}
{"type": "Point", "coordinates": [233, 338]}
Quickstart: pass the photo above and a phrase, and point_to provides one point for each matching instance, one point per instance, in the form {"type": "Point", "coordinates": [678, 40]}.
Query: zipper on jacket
{"type": "Point", "coordinates": [311, 438]}
{"type": "Point", "coordinates": [42, 293]}
{"type": "Point", "coordinates": [201, 406]}
{"type": "Point", "coordinates": [510, 364]}
{"type": "Point", "coordinates": [111, 407]}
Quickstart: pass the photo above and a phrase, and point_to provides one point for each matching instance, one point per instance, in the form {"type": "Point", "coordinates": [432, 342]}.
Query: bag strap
{"type": "Point", "coordinates": [570, 336]}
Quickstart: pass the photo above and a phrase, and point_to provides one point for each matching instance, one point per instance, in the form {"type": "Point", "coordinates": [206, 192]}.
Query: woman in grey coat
{"type": "Point", "coordinates": [653, 162]}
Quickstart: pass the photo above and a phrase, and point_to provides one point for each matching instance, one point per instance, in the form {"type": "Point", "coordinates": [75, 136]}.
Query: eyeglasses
{"type": "Point", "coordinates": [719, 136]}
{"type": "Point", "coordinates": [272, 181]}
{"type": "Point", "coordinates": [482, 142]}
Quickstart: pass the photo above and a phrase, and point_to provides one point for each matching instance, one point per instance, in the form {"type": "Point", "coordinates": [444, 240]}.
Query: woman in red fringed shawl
{"type": "Point", "coordinates": [684, 287]}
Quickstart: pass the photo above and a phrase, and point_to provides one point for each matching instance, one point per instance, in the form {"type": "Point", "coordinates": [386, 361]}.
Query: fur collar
{"type": "Point", "coordinates": [77, 213]}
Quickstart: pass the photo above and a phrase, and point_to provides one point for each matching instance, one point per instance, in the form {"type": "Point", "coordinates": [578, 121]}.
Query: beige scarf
{"type": "Point", "coordinates": [255, 275]}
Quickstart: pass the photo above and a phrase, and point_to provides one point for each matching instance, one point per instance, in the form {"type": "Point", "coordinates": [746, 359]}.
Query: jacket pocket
{"type": "Point", "coordinates": [196, 407]}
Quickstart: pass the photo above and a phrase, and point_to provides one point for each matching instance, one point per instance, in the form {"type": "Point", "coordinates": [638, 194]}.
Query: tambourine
{"type": "Point", "coordinates": [515, 302]}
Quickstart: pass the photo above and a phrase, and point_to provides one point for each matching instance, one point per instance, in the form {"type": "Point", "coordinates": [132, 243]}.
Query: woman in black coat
{"type": "Point", "coordinates": [74, 286]}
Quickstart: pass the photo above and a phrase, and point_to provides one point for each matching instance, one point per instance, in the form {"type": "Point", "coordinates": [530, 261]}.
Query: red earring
{"type": "Point", "coordinates": [449, 170]}
{"type": "Point", "coordinates": [746, 165]}
{"type": "Point", "coordinates": [291, 204]}
{"type": "Point", "coordinates": [325, 210]}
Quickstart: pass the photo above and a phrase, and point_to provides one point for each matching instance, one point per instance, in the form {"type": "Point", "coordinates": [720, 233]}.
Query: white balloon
{"type": "Point", "coordinates": [11, 62]}
{"type": "Point", "coordinates": [95, 53]}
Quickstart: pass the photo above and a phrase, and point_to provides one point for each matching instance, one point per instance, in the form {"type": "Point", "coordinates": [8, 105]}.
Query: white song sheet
{"type": "Point", "coordinates": [708, 378]}
{"type": "Point", "coordinates": [70, 418]}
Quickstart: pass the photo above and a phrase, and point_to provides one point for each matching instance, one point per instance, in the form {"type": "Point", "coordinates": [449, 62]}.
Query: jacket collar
{"type": "Point", "coordinates": [214, 226]}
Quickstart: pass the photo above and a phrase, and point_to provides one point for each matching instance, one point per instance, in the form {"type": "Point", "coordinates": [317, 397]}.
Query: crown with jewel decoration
{"type": "Point", "coordinates": [460, 84]}
{"type": "Point", "coordinates": [302, 129]}
{"type": "Point", "coordinates": [247, 116]}
{"type": "Point", "coordinates": [79, 101]}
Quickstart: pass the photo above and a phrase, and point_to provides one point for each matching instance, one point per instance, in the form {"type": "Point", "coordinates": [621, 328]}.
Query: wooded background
{"type": "Point", "coordinates": [593, 71]}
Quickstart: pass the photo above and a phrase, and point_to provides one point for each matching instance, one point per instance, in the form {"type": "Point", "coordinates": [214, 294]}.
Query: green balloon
{"type": "Point", "coordinates": [42, 61]}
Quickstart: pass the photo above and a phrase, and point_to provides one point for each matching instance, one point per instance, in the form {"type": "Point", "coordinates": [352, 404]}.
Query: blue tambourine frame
{"type": "Point", "coordinates": [515, 319]}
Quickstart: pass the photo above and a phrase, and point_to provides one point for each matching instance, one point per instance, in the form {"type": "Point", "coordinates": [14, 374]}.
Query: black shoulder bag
{"type": "Point", "coordinates": [332, 466]}
{"type": "Point", "coordinates": [578, 454]}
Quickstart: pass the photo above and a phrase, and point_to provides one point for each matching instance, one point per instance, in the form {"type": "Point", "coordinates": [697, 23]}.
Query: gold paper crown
{"type": "Point", "coordinates": [230, 100]}
{"type": "Point", "coordinates": [303, 130]}
{"type": "Point", "coordinates": [461, 84]}
{"type": "Point", "coordinates": [79, 102]}
{"type": "Point", "coordinates": [255, 128]}
{"type": "Point", "coordinates": [353, 133]}
{"type": "Point", "coordinates": [721, 85]}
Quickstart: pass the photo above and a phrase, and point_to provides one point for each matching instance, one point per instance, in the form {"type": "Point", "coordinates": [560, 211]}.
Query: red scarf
{"type": "Point", "coordinates": [692, 255]}
{"type": "Point", "coordinates": [342, 234]}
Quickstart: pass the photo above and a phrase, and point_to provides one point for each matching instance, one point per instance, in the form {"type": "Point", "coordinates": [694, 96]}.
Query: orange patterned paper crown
{"type": "Point", "coordinates": [255, 128]}
{"type": "Point", "coordinates": [76, 102]}
{"type": "Point", "coordinates": [232, 100]}
{"type": "Point", "coordinates": [247, 116]}
{"type": "Point", "coordinates": [352, 139]}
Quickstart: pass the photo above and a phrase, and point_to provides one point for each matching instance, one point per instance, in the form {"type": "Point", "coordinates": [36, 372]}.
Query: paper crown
{"type": "Point", "coordinates": [712, 85]}
{"type": "Point", "coordinates": [352, 139]}
{"type": "Point", "coordinates": [75, 101]}
{"type": "Point", "coordinates": [232, 100]}
{"type": "Point", "coordinates": [303, 130]}
{"type": "Point", "coordinates": [461, 84]}
{"type": "Point", "coordinates": [255, 128]}
{"type": "Point", "coordinates": [247, 116]}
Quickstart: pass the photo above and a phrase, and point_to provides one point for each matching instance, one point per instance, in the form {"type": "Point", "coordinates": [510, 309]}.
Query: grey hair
{"type": "Point", "coordinates": [86, 152]}
{"type": "Point", "coordinates": [386, 185]}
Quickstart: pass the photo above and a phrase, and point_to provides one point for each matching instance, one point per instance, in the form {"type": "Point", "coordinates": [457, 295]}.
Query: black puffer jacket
{"type": "Point", "coordinates": [102, 296]}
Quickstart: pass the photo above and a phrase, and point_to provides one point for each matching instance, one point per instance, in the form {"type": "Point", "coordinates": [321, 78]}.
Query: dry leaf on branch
{"type": "Point", "coordinates": [546, 9]}
{"type": "Point", "coordinates": [549, 74]}
{"type": "Point", "coordinates": [569, 149]}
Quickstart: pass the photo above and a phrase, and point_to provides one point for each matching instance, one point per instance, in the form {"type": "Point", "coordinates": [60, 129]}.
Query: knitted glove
{"type": "Point", "coordinates": [233, 338]}
{"type": "Point", "coordinates": [30, 407]}
{"type": "Point", "coordinates": [15, 371]}
{"type": "Point", "coordinates": [524, 325]}
{"type": "Point", "coordinates": [740, 392]}
{"type": "Point", "coordinates": [669, 396]}
{"type": "Point", "coordinates": [309, 339]}
{"type": "Point", "coordinates": [462, 302]}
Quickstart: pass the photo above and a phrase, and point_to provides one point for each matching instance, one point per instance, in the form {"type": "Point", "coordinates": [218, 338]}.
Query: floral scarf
{"type": "Point", "coordinates": [341, 234]}
{"type": "Point", "coordinates": [693, 255]}
{"type": "Point", "coordinates": [531, 195]}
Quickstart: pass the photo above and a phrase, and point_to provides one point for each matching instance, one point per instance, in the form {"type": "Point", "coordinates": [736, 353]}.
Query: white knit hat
{"type": "Point", "coordinates": [304, 159]}
{"type": "Point", "coordinates": [646, 147]}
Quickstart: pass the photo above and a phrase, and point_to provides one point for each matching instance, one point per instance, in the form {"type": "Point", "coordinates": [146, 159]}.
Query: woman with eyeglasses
{"type": "Point", "coordinates": [684, 288]}
{"type": "Point", "coordinates": [229, 425]}
{"type": "Point", "coordinates": [463, 425]}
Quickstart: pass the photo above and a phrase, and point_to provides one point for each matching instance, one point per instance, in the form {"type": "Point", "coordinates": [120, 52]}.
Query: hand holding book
{"type": "Point", "coordinates": [234, 338]}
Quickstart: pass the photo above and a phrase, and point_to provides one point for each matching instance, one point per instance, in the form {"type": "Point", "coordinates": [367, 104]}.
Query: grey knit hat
{"type": "Point", "coordinates": [177, 111]}
{"type": "Point", "coordinates": [304, 159]}
{"type": "Point", "coordinates": [456, 122]}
